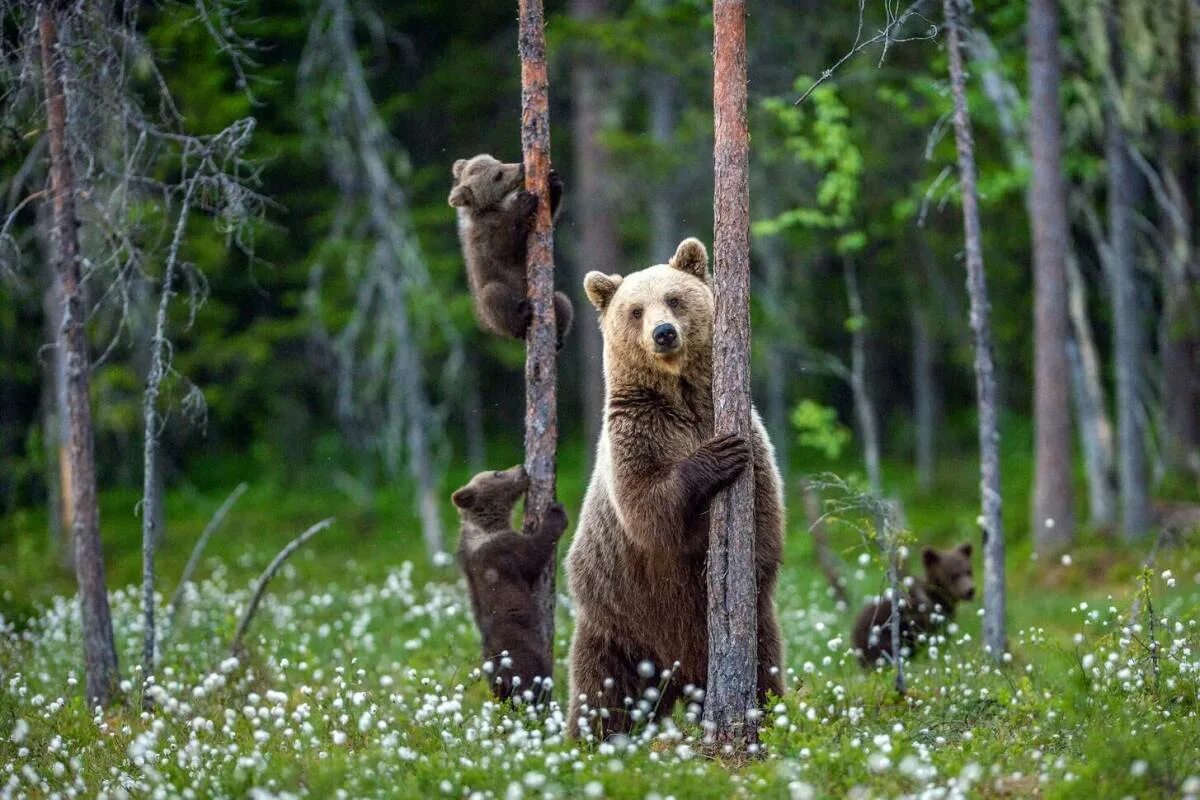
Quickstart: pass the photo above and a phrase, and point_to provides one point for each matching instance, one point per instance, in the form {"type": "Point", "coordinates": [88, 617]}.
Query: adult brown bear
{"type": "Point", "coordinates": [636, 565]}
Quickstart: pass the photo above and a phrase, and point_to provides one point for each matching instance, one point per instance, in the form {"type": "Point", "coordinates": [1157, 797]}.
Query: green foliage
{"type": "Point", "coordinates": [817, 426]}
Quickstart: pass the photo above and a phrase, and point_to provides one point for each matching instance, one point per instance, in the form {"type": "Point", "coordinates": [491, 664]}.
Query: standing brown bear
{"type": "Point", "coordinates": [637, 563]}
{"type": "Point", "coordinates": [928, 605]}
{"type": "Point", "coordinates": [495, 215]}
{"type": "Point", "coordinates": [502, 567]}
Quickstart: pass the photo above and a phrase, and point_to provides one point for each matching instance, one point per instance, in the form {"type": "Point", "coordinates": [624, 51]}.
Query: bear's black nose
{"type": "Point", "coordinates": [665, 336]}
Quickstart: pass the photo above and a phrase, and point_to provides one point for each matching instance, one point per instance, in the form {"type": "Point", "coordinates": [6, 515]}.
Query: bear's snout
{"type": "Point", "coordinates": [666, 337]}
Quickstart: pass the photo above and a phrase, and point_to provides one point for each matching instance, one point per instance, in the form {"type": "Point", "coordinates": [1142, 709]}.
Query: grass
{"type": "Point", "coordinates": [360, 676]}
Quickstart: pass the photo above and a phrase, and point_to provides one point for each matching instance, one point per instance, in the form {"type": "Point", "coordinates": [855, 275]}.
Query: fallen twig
{"type": "Point", "coordinates": [265, 578]}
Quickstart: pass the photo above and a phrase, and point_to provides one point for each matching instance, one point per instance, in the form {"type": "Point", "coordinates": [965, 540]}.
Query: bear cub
{"type": "Point", "coordinates": [929, 605]}
{"type": "Point", "coordinates": [501, 567]}
{"type": "Point", "coordinates": [495, 215]}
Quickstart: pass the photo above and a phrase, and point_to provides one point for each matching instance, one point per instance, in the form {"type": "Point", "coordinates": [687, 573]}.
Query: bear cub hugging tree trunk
{"type": "Point", "coordinates": [494, 219]}
{"type": "Point", "coordinates": [636, 564]}
{"type": "Point", "coordinates": [501, 567]}
{"type": "Point", "coordinates": [928, 605]}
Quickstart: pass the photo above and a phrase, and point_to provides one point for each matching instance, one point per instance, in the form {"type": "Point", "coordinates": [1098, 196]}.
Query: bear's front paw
{"type": "Point", "coordinates": [719, 462]}
{"type": "Point", "coordinates": [554, 521]}
{"type": "Point", "coordinates": [527, 203]}
{"type": "Point", "coordinates": [524, 317]}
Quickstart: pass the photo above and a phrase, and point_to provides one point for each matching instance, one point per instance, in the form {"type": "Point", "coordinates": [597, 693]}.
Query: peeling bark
{"type": "Point", "coordinates": [732, 592]}
{"type": "Point", "coordinates": [100, 655]}
{"type": "Point", "coordinates": [541, 400]}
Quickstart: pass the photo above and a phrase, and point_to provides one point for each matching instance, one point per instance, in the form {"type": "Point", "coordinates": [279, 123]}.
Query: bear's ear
{"type": "Point", "coordinates": [600, 288]}
{"type": "Point", "coordinates": [691, 257]}
{"type": "Point", "coordinates": [461, 196]}
{"type": "Point", "coordinates": [457, 169]}
{"type": "Point", "coordinates": [463, 498]}
{"type": "Point", "coordinates": [966, 549]}
{"type": "Point", "coordinates": [930, 557]}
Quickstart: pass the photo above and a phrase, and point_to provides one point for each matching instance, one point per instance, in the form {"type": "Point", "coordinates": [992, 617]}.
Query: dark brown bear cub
{"type": "Point", "coordinates": [495, 215]}
{"type": "Point", "coordinates": [501, 566]}
{"type": "Point", "coordinates": [929, 605]}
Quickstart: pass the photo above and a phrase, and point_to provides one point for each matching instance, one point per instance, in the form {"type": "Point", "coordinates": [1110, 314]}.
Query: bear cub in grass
{"type": "Point", "coordinates": [929, 605]}
{"type": "Point", "coordinates": [495, 215]}
{"type": "Point", "coordinates": [502, 567]}
{"type": "Point", "coordinates": [637, 563]}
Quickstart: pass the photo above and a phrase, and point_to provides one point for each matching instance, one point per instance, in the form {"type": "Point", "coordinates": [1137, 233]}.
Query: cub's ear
{"type": "Point", "coordinates": [457, 169]}
{"type": "Point", "coordinates": [930, 557]}
{"type": "Point", "coordinates": [965, 548]}
{"type": "Point", "coordinates": [691, 257]}
{"type": "Point", "coordinates": [600, 288]}
{"type": "Point", "coordinates": [463, 498]}
{"type": "Point", "coordinates": [461, 196]}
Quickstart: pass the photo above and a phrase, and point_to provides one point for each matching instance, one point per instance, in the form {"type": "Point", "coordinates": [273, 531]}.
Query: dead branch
{"type": "Point", "coordinates": [194, 559]}
{"type": "Point", "coordinates": [261, 586]}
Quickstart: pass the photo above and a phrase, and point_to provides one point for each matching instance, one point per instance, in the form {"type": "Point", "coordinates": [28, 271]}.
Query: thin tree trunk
{"type": "Point", "coordinates": [152, 513]}
{"type": "Point", "coordinates": [864, 409]}
{"type": "Point", "coordinates": [100, 654]}
{"type": "Point", "coordinates": [1091, 407]}
{"type": "Point", "coordinates": [57, 429]}
{"type": "Point", "coordinates": [599, 241]}
{"type": "Point", "coordinates": [664, 234]}
{"type": "Point", "coordinates": [1181, 278]}
{"type": "Point", "coordinates": [1053, 522]}
{"type": "Point", "coordinates": [924, 395]}
{"type": "Point", "coordinates": [541, 413]}
{"type": "Point", "coordinates": [1128, 345]}
{"type": "Point", "coordinates": [985, 381]}
{"type": "Point", "coordinates": [732, 592]}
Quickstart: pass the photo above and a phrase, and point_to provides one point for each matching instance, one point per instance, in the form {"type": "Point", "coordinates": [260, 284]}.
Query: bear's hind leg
{"type": "Point", "coordinates": [606, 676]}
{"type": "Point", "coordinates": [503, 310]}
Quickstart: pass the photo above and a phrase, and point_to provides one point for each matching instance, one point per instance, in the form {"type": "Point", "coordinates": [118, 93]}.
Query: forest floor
{"type": "Point", "coordinates": [361, 678]}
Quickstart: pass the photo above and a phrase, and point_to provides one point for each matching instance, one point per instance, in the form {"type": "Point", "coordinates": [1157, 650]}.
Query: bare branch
{"type": "Point", "coordinates": [261, 585]}
{"type": "Point", "coordinates": [194, 559]}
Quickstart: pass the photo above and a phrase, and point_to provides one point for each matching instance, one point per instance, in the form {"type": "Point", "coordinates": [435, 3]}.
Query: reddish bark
{"type": "Point", "coordinates": [99, 652]}
{"type": "Point", "coordinates": [732, 592]}
{"type": "Point", "coordinates": [541, 416]}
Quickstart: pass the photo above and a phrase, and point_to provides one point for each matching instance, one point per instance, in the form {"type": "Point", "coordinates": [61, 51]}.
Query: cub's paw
{"type": "Point", "coordinates": [527, 203]}
{"type": "Point", "coordinates": [524, 317]}
{"type": "Point", "coordinates": [554, 521]}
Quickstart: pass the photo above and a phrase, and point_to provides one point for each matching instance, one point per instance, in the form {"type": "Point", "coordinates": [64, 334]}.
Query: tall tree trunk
{"type": "Point", "coordinates": [1181, 278]}
{"type": "Point", "coordinates": [664, 234]}
{"type": "Point", "coordinates": [924, 394]}
{"type": "Point", "coordinates": [99, 652]}
{"type": "Point", "coordinates": [541, 413]}
{"type": "Point", "coordinates": [1128, 340]}
{"type": "Point", "coordinates": [1053, 522]}
{"type": "Point", "coordinates": [57, 430]}
{"type": "Point", "coordinates": [985, 380]}
{"type": "Point", "coordinates": [599, 241]}
{"type": "Point", "coordinates": [732, 592]}
{"type": "Point", "coordinates": [1091, 407]}
{"type": "Point", "coordinates": [864, 409]}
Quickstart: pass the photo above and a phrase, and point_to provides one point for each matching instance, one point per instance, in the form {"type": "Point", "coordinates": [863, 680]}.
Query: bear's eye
{"type": "Point", "coordinates": [497, 178]}
{"type": "Point", "coordinates": [673, 302]}
{"type": "Point", "coordinates": [636, 313]}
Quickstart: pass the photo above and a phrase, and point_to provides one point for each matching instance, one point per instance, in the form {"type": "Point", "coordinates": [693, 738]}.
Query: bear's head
{"type": "Point", "coordinates": [489, 498]}
{"type": "Point", "coordinates": [482, 182]}
{"type": "Point", "coordinates": [950, 571]}
{"type": "Point", "coordinates": [659, 316]}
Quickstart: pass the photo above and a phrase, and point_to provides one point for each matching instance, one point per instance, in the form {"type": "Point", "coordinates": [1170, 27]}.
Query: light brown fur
{"type": "Point", "coordinates": [636, 567]}
{"type": "Point", "coordinates": [495, 215]}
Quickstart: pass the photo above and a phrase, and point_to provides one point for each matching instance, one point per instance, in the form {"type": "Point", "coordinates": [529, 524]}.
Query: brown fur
{"type": "Point", "coordinates": [928, 605]}
{"type": "Point", "coordinates": [502, 566]}
{"type": "Point", "coordinates": [494, 219]}
{"type": "Point", "coordinates": [637, 563]}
